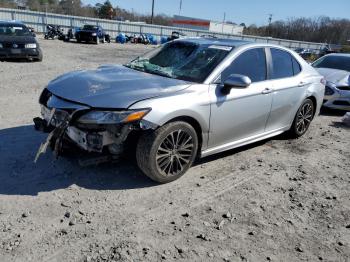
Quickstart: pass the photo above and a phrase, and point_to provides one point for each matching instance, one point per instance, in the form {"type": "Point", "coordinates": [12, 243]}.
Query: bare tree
{"type": "Point", "coordinates": [322, 29]}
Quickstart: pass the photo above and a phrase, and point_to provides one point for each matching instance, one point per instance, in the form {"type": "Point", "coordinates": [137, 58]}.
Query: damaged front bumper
{"type": "Point", "coordinates": [62, 126]}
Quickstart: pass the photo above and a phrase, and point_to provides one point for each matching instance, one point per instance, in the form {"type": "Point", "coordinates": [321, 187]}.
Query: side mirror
{"type": "Point", "coordinates": [236, 81]}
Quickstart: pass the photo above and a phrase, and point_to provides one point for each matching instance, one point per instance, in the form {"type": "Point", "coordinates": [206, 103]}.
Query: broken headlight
{"type": "Point", "coordinates": [113, 117]}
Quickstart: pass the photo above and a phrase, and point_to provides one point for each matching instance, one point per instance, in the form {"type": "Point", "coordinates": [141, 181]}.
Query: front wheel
{"type": "Point", "coordinates": [302, 118]}
{"type": "Point", "coordinates": [167, 153]}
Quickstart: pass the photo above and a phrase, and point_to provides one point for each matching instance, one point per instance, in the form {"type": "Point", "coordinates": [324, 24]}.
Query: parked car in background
{"type": "Point", "coordinates": [186, 99]}
{"type": "Point", "coordinates": [304, 52]}
{"type": "Point", "coordinates": [92, 33]}
{"type": "Point", "coordinates": [175, 35]}
{"type": "Point", "coordinates": [71, 34]}
{"type": "Point", "coordinates": [18, 42]}
{"type": "Point", "coordinates": [336, 70]}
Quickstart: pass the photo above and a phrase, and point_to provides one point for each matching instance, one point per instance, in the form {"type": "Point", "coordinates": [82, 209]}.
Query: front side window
{"type": "Point", "coordinates": [251, 63]}
{"type": "Point", "coordinates": [182, 60]}
{"type": "Point", "coordinates": [282, 64]}
{"type": "Point", "coordinates": [333, 62]}
{"type": "Point", "coordinates": [14, 30]}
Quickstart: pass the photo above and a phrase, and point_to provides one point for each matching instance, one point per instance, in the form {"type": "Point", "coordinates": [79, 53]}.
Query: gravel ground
{"type": "Point", "coordinates": [277, 200]}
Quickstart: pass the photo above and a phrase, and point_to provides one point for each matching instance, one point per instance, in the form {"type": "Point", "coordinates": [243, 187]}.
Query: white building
{"type": "Point", "coordinates": [219, 27]}
{"type": "Point", "coordinates": [211, 26]}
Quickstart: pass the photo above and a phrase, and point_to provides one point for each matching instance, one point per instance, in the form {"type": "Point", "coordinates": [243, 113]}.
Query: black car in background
{"type": "Point", "coordinates": [92, 33]}
{"type": "Point", "coordinates": [17, 41]}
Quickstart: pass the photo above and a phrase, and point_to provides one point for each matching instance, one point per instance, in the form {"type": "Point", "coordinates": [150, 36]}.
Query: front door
{"type": "Point", "coordinates": [243, 112]}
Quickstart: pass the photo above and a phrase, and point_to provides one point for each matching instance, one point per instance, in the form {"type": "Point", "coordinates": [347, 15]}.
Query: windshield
{"type": "Point", "coordinates": [90, 27]}
{"type": "Point", "coordinates": [334, 62]}
{"type": "Point", "coordinates": [182, 60]}
{"type": "Point", "coordinates": [14, 30]}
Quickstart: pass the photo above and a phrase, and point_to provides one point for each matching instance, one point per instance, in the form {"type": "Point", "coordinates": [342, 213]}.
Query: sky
{"type": "Point", "coordinates": [239, 11]}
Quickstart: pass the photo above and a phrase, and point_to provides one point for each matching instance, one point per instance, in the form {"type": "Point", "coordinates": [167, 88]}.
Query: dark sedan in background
{"type": "Point", "coordinates": [91, 33]}
{"type": "Point", "coordinates": [18, 42]}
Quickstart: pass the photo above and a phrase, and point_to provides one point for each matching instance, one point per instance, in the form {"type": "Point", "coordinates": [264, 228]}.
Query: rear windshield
{"type": "Point", "coordinates": [333, 62]}
{"type": "Point", "coordinates": [14, 30]}
{"type": "Point", "coordinates": [90, 27]}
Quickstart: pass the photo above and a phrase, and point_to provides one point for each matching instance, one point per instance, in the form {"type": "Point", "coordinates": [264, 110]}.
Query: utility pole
{"type": "Point", "coordinates": [180, 8]}
{"type": "Point", "coordinates": [223, 22]}
{"type": "Point", "coordinates": [152, 12]}
{"type": "Point", "coordinates": [269, 27]}
{"type": "Point", "coordinates": [270, 18]}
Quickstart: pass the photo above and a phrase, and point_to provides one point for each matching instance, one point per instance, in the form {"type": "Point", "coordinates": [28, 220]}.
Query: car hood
{"type": "Point", "coordinates": [113, 86]}
{"type": "Point", "coordinates": [335, 76]}
{"type": "Point", "coordinates": [17, 39]}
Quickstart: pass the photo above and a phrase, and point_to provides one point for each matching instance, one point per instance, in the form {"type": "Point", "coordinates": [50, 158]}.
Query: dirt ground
{"type": "Point", "coordinates": [277, 200]}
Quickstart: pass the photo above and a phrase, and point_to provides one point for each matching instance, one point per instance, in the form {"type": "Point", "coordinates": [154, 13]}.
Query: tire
{"type": "Point", "coordinates": [159, 159]}
{"type": "Point", "coordinates": [302, 119]}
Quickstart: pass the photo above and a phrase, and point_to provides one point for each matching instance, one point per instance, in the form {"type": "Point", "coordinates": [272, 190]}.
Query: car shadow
{"type": "Point", "coordinates": [17, 60]}
{"type": "Point", "coordinates": [335, 112]}
{"type": "Point", "coordinates": [331, 112]}
{"type": "Point", "coordinates": [19, 175]}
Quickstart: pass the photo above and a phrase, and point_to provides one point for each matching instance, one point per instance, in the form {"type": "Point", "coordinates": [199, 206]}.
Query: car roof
{"type": "Point", "coordinates": [215, 41]}
{"type": "Point", "coordinates": [339, 54]}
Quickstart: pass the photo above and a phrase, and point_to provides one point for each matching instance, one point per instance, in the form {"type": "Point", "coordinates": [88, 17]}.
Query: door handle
{"type": "Point", "coordinates": [267, 91]}
{"type": "Point", "coordinates": [302, 83]}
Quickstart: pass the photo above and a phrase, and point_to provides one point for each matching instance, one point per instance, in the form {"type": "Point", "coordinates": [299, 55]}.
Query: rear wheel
{"type": "Point", "coordinates": [167, 153]}
{"type": "Point", "coordinates": [303, 118]}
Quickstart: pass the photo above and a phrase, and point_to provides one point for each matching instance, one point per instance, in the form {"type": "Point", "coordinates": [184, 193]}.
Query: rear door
{"type": "Point", "coordinates": [288, 88]}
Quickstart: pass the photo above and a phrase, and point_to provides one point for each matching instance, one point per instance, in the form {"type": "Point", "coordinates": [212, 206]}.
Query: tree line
{"type": "Point", "coordinates": [322, 29]}
{"type": "Point", "coordinates": [77, 8]}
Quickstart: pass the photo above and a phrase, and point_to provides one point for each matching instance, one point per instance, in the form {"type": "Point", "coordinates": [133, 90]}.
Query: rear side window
{"type": "Point", "coordinates": [251, 63]}
{"type": "Point", "coordinates": [296, 66]}
{"type": "Point", "coordinates": [282, 64]}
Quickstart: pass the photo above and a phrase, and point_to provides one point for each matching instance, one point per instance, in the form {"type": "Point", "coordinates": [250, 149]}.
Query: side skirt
{"type": "Point", "coordinates": [242, 142]}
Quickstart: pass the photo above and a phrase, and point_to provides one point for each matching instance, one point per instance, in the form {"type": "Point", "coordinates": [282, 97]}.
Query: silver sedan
{"type": "Point", "coordinates": [336, 70]}
{"type": "Point", "coordinates": [187, 99]}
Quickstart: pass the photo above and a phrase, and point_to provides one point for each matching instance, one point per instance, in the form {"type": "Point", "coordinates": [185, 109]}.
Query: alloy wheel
{"type": "Point", "coordinates": [304, 118]}
{"type": "Point", "coordinates": [175, 152]}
